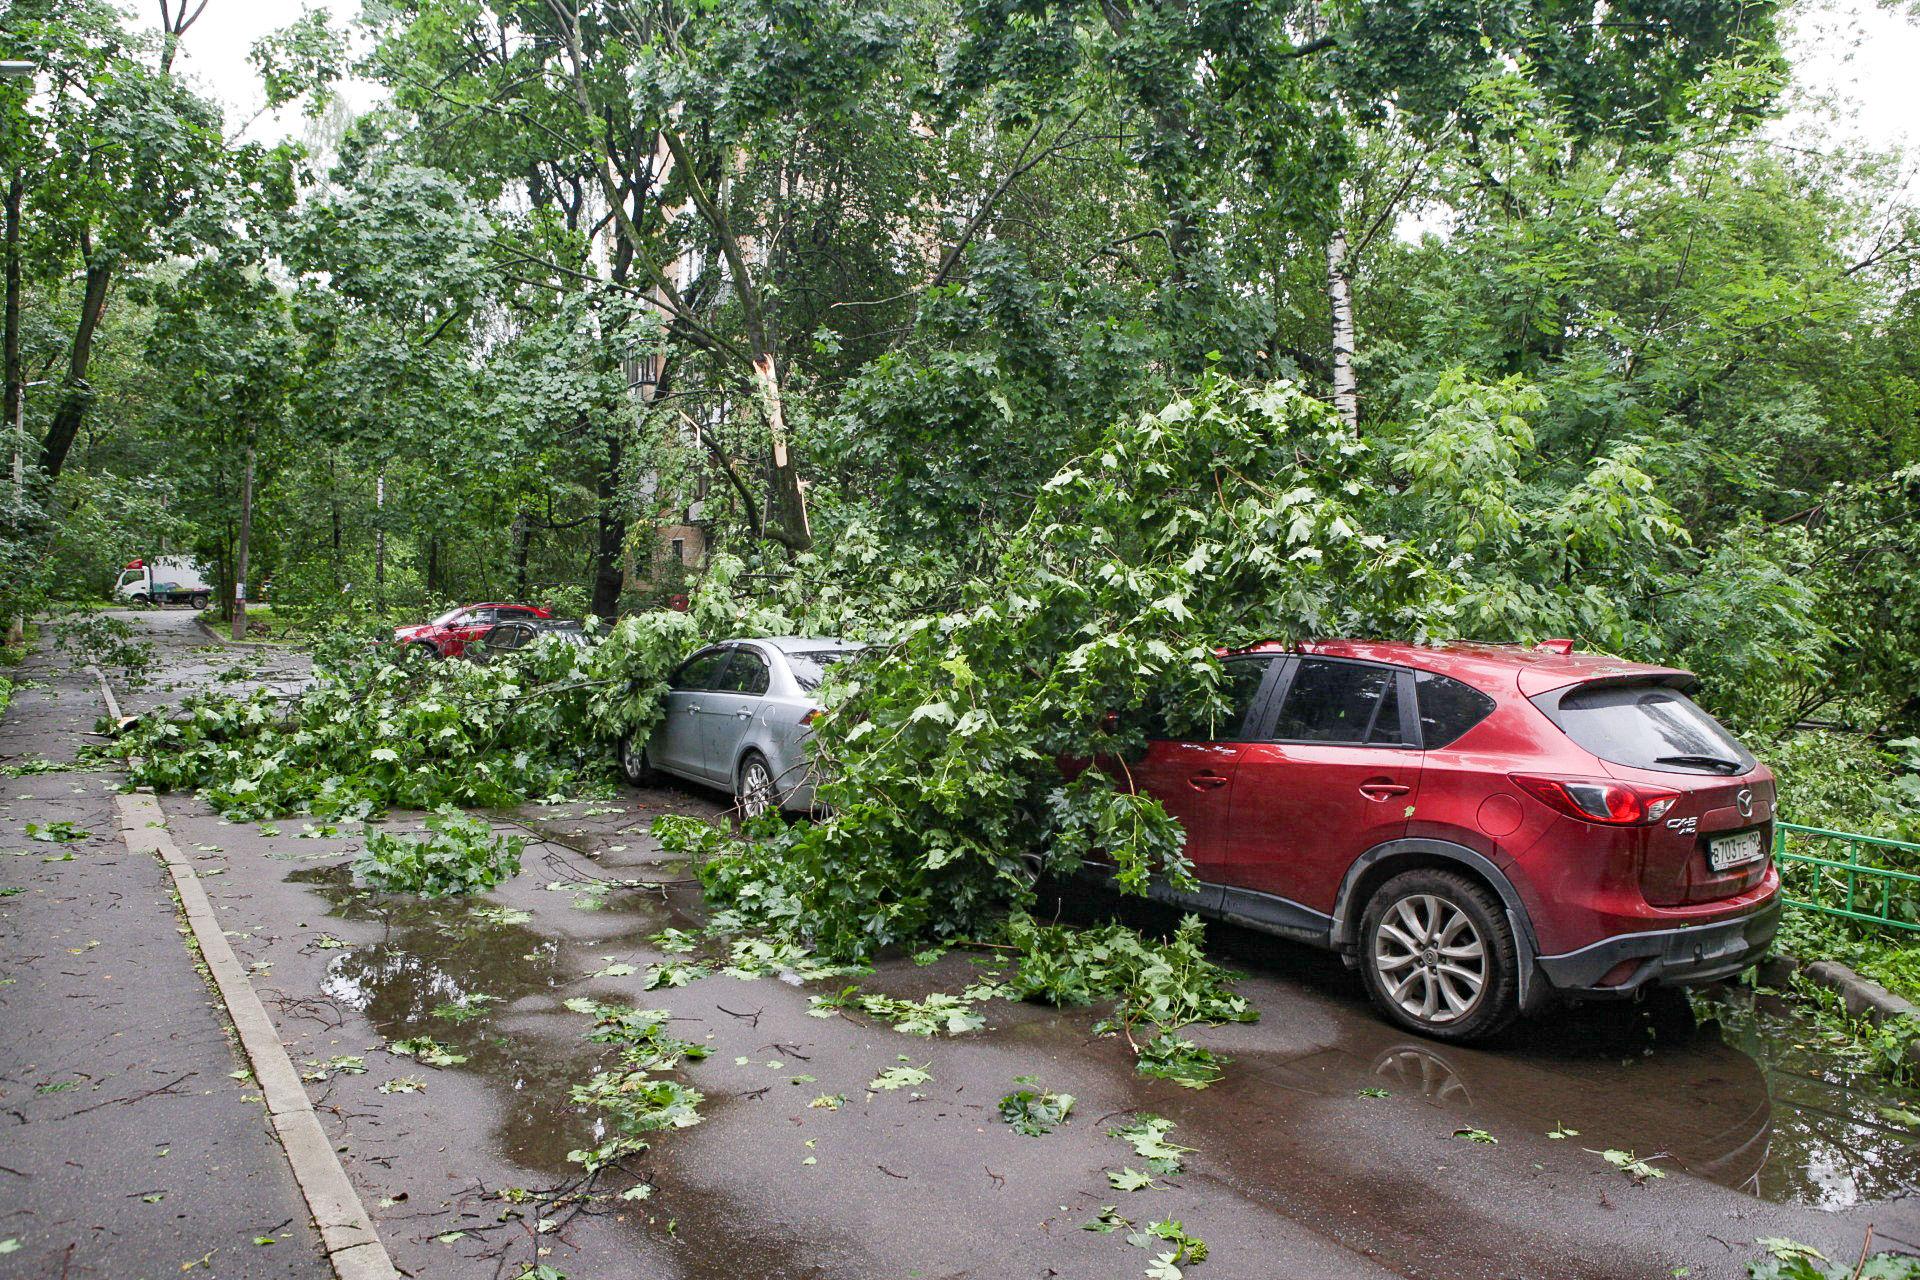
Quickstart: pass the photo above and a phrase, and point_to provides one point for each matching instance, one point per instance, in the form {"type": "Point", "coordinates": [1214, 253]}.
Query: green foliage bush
{"type": "Point", "coordinates": [1161, 986]}
{"type": "Point", "coordinates": [458, 854]}
{"type": "Point", "coordinates": [372, 733]}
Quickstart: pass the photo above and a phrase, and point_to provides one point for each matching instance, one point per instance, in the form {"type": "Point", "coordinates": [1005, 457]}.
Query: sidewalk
{"type": "Point", "coordinates": [130, 1150]}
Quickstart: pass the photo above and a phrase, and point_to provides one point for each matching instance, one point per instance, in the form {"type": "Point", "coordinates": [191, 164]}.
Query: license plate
{"type": "Point", "coordinates": [1734, 851]}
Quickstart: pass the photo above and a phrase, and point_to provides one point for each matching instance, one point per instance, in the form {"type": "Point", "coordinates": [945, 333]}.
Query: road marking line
{"type": "Point", "coordinates": [346, 1228]}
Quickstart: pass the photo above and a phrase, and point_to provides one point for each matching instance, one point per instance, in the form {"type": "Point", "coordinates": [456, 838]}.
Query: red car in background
{"type": "Point", "coordinates": [448, 635]}
{"type": "Point", "coordinates": [1480, 828]}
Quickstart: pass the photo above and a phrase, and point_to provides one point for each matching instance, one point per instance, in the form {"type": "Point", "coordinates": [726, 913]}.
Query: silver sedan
{"type": "Point", "coordinates": [736, 716]}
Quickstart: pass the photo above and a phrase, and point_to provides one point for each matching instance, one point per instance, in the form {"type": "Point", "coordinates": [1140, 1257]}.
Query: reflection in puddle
{"type": "Point", "coordinates": [437, 954]}
{"type": "Point", "coordinates": [1839, 1135]}
{"type": "Point", "coordinates": [1738, 1097]}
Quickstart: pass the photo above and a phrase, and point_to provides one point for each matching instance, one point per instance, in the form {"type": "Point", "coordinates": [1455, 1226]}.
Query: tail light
{"type": "Point", "coordinates": [1601, 800]}
{"type": "Point", "coordinates": [813, 713]}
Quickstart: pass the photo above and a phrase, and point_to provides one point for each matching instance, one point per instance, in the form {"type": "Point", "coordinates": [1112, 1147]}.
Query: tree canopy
{"type": "Point", "coordinates": [840, 291]}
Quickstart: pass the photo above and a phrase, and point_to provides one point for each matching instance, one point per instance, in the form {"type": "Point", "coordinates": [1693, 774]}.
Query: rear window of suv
{"type": "Point", "coordinates": [1645, 726]}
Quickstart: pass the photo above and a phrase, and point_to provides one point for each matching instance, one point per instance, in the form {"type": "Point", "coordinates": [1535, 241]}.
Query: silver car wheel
{"type": "Point", "coordinates": [756, 787]}
{"type": "Point", "coordinates": [633, 760]}
{"type": "Point", "coordinates": [1430, 959]}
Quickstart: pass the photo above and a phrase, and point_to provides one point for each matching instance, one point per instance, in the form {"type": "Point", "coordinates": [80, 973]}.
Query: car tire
{"type": "Point", "coordinates": [1438, 956]}
{"type": "Point", "coordinates": [418, 651]}
{"type": "Point", "coordinates": [754, 791]}
{"type": "Point", "coordinates": [199, 599]}
{"type": "Point", "coordinates": [141, 601]}
{"type": "Point", "coordinates": [633, 762]}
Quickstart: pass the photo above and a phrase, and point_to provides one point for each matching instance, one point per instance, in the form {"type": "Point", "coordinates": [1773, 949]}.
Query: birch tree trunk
{"type": "Point", "coordinates": [380, 541]}
{"type": "Point", "coordinates": [1346, 391]}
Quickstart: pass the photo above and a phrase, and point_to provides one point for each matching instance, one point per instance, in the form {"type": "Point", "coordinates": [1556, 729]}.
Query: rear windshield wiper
{"type": "Point", "coordinates": [1710, 762]}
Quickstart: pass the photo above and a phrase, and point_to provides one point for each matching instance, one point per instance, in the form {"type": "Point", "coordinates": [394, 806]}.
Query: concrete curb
{"type": "Point", "coordinates": [1861, 997]}
{"type": "Point", "coordinates": [213, 633]}
{"type": "Point", "coordinates": [346, 1229]}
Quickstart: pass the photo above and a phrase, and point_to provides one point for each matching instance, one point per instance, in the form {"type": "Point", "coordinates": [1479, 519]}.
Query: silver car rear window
{"type": "Point", "coordinates": [810, 665]}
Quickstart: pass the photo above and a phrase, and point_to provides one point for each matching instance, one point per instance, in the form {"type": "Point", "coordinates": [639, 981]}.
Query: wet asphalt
{"type": "Point", "coordinates": [127, 1147]}
{"type": "Point", "coordinates": [1334, 1146]}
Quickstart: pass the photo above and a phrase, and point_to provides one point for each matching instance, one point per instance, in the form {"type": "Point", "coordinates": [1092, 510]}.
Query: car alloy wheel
{"type": "Point", "coordinates": [1438, 956]}
{"type": "Point", "coordinates": [633, 762]}
{"type": "Point", "coordinates": [754, 795]}
{"type": "Point", "coordinates": [1431, 958]}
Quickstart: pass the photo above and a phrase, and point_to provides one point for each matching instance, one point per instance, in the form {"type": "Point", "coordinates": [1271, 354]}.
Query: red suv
{"type": "Point", "coordinates": [1477, 826]}
{"type": "Point", "coordinates": [448, 635]}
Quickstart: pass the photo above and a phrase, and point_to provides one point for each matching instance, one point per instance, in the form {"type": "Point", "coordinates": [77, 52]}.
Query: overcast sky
{"type": "Point", "coordinates": [1857, 51]}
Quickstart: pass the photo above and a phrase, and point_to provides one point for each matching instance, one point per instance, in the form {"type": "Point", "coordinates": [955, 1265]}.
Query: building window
{"type": "Point", "coordinates": [679, 548]}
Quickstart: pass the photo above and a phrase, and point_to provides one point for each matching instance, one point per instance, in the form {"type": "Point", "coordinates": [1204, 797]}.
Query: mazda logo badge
{"type": "Point", "coordinates": [1744, 798]}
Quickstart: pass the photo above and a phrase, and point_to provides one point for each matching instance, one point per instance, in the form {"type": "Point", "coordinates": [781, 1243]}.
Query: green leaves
{"type": "Point", "coordinates": [896, 1078]}
{"type": "Point", "coordinates": [372, 734]}
{"type": "Point", "coordinates": [426, 1049]}
{"type": "Point", "coordinates": [1167, 985]}
{"type": "Point", "coordinates": [1035, 1112]}
{"type": "Point", "coordinates": [1148, 1137]}
{"type": "Point", "coordinates": [634, 1101]}
{"type": "Point", "coordinates": [459, 855]}
{"type": "Point", "coordinates": [1791, 1260]}
{"type": "Point", "coordinates": [1630, 1164]}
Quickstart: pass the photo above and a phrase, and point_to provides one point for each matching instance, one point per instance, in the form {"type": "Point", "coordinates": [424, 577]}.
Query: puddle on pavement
{"type": "Point", "coordinates": [1726, 1089]}
{"type": "Point", "coordinates": [1737, 1096]}
{"type": "Point", "coordinates": [1840, 1135]}
{"type": "Point", "coordinates": [436, 954]}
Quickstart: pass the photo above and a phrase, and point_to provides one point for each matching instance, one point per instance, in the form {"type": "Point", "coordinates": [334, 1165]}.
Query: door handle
{"type": "Point", "coordinates": [693, 708]}
{"type": "Point", "coordinates": [1208, 781]}
{"type": "Point", "coordinates": [1381, 790]}
{"type": "Point", "coordinates": [743, 715]}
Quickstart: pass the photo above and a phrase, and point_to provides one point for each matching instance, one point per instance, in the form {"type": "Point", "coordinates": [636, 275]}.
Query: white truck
{"type": "Point", "coordinates": [167, 580]}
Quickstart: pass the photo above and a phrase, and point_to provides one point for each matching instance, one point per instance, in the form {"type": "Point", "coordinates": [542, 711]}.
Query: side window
{"type": "Point", "coordinates": [131, 575]}
{"type": "Point", "coordinates": [1243, 679]}
{"type": "Point", "coordinates": [1448, 708]}
{"type": "Point", "coordinates": [702, 671]}
{"type": "Point", "coordinates": [476, 618]}
{"type": "Point", "coordinates": [1333, 702]}
{"type": "Point", "coordinates": [746, 674]}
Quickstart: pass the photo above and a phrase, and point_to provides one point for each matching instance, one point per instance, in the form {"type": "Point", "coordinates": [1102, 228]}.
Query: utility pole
{"type": "Point", "coordinates": [246, 539]}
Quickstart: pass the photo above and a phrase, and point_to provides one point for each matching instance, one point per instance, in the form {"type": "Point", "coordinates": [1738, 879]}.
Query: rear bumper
{"type": "Point", "coordinates": [1683, 956]}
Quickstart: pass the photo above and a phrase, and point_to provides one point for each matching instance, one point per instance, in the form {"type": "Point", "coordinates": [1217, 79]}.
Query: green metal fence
{"type": "Point", "coordinates": [1856, 886]}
